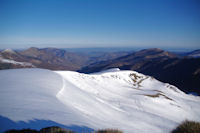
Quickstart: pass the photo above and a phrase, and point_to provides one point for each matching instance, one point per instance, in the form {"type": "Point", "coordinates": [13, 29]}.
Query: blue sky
{"type": "Point", "coordinates": [100, 23]}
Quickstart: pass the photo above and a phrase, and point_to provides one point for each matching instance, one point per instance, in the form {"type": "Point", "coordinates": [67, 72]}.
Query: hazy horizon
{"type": "Point", "coordinates": [107, 49]}
{"type": "Point", "coordinates": [170, 24]}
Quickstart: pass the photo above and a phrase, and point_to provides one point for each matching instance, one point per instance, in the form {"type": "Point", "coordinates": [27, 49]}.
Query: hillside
{"type": "Point", "coordinates": [195, 53]}
{"type": "Point", "coordinates": [126, 100]}
{"type": "Point", "coordinates": [52, 58]}
{"type": "Point", "coordinates": [182, 72]}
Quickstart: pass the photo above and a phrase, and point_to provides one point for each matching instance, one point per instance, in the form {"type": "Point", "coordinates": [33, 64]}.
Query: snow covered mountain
{"type": "Point", "coordinates": [22, 64]}
{"type": "Point", "coordinates": [125, 100]}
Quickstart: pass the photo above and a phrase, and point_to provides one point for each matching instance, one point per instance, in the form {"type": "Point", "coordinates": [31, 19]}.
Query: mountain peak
{"type": "Point", "coordinates": [32, 52]}
{"type": "Point", "coordinates": [151, 50]}
{"type": "Point", "coordinates": [154, 49]}
{"type": "Point", "coordinates": [155, 53]}
{"type": "Point", "coordinates": [9, 51]}
{"type": "Point", "coordinates": [33, 49]}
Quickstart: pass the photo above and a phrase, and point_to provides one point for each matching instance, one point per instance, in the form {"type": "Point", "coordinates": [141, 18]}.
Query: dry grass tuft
{"type": "Point", "coordinates": [188, 127]}
{"type": "Point", "coordinates": [109, 131]}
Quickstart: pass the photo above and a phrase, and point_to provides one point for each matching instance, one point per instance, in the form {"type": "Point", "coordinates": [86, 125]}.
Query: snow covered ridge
{"type": "Point", "coordinates": [16, 62]}
{"type": "Point", "coordinates": [9, 51]}
{"type": "Point", "coordinates": [125, 100]}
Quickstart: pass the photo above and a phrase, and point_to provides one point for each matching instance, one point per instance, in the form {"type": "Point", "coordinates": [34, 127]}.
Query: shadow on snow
{"type": "Point", "coordinates": [7, 124]}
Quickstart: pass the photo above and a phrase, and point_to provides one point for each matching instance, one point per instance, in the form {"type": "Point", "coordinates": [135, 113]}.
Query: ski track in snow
{"type": "Point", "coordinates": [108, 99]}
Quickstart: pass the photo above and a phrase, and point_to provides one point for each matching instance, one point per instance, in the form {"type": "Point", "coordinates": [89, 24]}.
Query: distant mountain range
{"type": "Point", "coordinates": [181, 70]}
{"type": "Point", "coordinates": [133, 61]}
{"type": "Point", "coordinates": [51, 58]}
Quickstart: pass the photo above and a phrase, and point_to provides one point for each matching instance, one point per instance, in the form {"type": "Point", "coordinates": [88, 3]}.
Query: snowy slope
{"type": "Point", "coordinates": [2, 60]}
{"type": "Point", "coordinates": [125, 100]}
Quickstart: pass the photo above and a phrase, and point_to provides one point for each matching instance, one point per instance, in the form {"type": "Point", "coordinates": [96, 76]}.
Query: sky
{"type": "Point", "coordinates": [100, 23]}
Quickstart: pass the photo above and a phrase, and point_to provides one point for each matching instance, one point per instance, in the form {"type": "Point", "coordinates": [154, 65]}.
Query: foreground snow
{"type": "Point", "coordinates": [125, 100]}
